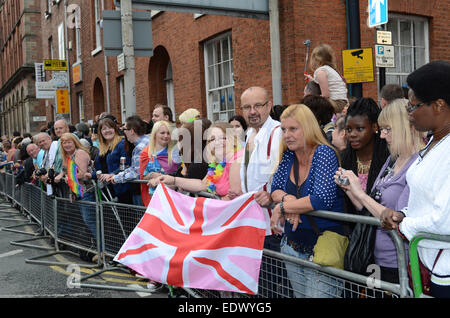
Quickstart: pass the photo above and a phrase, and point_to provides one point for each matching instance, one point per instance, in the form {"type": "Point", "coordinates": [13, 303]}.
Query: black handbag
{"type": "Point", "coordinates": [360, 250]}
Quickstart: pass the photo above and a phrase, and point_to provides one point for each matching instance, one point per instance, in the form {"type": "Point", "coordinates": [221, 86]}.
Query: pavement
{"type": "Point", "coordinates": [21, 277]}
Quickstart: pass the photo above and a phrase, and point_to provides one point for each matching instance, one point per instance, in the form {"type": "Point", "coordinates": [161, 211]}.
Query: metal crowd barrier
{"type": "Point", "coordinates": [62, 221]}
{"type": "Point", "coordinates": [275, 269]}
{"type": "Point", "coordinates": [414, 259]}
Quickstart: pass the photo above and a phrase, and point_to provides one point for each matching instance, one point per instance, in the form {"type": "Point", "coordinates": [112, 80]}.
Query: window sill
{"type": "Point", "coordinates": [96, 51]}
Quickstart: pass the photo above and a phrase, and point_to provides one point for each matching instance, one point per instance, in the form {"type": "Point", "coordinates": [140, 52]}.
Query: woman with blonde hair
{"type": "Point", "coordinates": [224, 164]}
{"type": "Point", "coordinates": [72, 148]}
{"type": "Point", "coordinates": [390, 189]}
{"type": "Point", "coordinates": [304, 182]}
{"type": "Point", "coordinates": [111, 149]}
{"type": "Point", "coordinates": [161, 156]}
{"type": "Point", "coordinates": [189, 115]}
{"type": "Point", "coordinates": [332, 85]}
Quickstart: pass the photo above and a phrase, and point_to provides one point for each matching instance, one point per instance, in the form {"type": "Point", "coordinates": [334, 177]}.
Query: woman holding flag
{"type": "Point", "coordinates": [160, 157]}
{"type": "Point", "coordinates": [78, 172]}
{"type": "Point", "coordinates": [224, 164]}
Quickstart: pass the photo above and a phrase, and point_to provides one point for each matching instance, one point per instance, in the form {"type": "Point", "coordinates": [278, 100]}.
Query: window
{"type": "Point", "coordinates": [97, 16]}
{"type": "Point", "coordinates": [410, 41]}
{"type": "Point", "coordinates": [50, 48]}
{"type": "Point", "coordinates": [123, 109]}
{"type": "Point", "coordinates": [61, 44]}
{"type": "Point", "coordinates": [78, 32]}
{"type": "Point", "coordinates": [219, 78]}
{"type": "Point", "coordinates": [80, 106]}
{"type": "Point", "coordinates": [169, 88]}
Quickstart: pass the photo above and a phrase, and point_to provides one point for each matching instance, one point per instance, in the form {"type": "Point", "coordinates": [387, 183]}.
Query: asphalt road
{"type": "Point", "coordinates": [21, 279]}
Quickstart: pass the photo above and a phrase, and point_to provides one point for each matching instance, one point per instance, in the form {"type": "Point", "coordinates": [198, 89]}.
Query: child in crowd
{"type": "Point", "coordinates": [332, 85]}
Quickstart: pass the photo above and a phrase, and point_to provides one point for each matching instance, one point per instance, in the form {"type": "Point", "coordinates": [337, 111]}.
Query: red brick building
{"type": "Point", "coordinates": [20, 47]}
{"type": "Point", "coordinates": [206, 61]}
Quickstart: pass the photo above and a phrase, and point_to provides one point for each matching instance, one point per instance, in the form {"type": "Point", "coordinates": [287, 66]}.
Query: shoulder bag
{"type": "Point", "coordinates": [330, 246]}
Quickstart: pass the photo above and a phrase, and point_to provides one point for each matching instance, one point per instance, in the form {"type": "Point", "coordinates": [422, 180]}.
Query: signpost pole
{"type": "Point", "coordinates": [381, 70]}
{"type": "Point", "coordinates": [128, 51]}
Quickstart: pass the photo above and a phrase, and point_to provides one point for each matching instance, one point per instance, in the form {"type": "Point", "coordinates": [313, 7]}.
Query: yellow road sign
{"type": "Point", "coordinates": [358, 65]}
{"type": "Point", "coordinates": [62, 101]}
{"type": "Point", "coordinates": [55, 65]}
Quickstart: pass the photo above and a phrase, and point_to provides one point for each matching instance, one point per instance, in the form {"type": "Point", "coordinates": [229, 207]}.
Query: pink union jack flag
{"type": "Point", "coordinates": [198, 242]}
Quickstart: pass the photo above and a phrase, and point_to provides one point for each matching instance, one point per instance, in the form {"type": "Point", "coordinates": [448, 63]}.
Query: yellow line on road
{"type": "Point", "coordinates": [62, 259]}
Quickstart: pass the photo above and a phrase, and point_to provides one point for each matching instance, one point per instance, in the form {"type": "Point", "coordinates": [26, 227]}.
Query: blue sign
{"type": "Point", "coordinates": [378, 12]}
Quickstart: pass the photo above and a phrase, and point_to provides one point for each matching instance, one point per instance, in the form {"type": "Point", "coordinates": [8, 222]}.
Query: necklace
{"type": "Point", "coordinates": [215, 171]}
{"type": "Point", "coordinates": [363, 168]}
{"type": "Point", "coordinates": [430, 146]}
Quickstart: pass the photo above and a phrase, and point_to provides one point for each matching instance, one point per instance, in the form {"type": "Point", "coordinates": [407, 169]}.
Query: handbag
{"type": "Point", "coordinates": [425, 275]}
{"type": "Point", "coordinates": [360, 251]}
{"type": "Point", "coordinates": [330, 247]}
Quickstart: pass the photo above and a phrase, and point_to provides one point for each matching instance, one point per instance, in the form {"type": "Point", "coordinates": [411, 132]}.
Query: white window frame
{"type": "Point", "coordinates": [400, 77]}
{"type": "Point", "coordinates": [169, 89]}
{"type": "Point", "coordinates": [212, 107]}
{"type": "Point", "coordinates": [78, 33]}
{"type": "Point", "coordinates": [81, 107]}
{"type": "Point", "coordinates": [61, 42]}
{"type": "Point", "coordinates": [123, 108]}
{"type": "Point", "coordinates": [98, 19]}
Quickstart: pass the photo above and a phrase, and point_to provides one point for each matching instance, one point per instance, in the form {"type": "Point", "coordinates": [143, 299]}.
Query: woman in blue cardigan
{"type": "Point", "coordinates": [112, 147]}
{"type": "Point", "coordinates": [317, 162]}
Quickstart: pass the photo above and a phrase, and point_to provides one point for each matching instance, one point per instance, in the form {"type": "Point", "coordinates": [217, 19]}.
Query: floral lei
{"type": "Point", "coordinates": [215, 171]}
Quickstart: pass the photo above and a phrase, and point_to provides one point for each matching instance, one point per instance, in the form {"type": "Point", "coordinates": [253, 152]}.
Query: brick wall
{"type": "Point", "coordinates": [179, 37]}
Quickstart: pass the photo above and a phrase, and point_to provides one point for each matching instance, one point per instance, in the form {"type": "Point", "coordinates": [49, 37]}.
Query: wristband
{"type": "Point", "coordinates": [282, 199]}
{"type": "Point", "coordinates": [283, 212]}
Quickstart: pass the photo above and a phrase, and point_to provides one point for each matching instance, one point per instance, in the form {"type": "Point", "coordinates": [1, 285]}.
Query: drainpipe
{"type": "Point", "coordinates": [353, 38]}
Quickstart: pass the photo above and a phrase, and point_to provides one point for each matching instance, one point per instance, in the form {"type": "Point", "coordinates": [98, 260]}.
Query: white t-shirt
{"type": "Point", "coordinates": [336, 85]}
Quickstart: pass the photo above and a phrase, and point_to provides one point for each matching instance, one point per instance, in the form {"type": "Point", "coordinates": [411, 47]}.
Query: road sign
{"type": "Point", "coordinates": [378, 12]}
{"type": "Point", "coordinates": [258, 9]}
{"type": "Point", "coordinates": [39, 71]}
{"type": "Point", "coordinates": [384, 37]}
{"type": "Point", "coordinates": [55, 65]}
{"type": "Point", "coordinates": [45, 90]}
{"type": "Point", "coordinates": [59, 79]}
{"type": "Point", "coordinates": [358, 65]}
{"type": "Point", "coordinates": [62, 101]}
{"type": "Point", "coordinates": [142, 33]}
{"type": "Point", "coordinates": [384, 56]}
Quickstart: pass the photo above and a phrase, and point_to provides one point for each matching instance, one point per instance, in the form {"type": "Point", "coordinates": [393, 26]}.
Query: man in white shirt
{"type": "Point", "coordinates": [260, 160]}
{"type": "Point", "coordinates": [262, 144]}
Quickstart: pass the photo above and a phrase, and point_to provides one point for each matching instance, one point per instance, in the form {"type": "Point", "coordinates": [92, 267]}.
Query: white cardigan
{"type": "Point", "coordinates": [429, 207]}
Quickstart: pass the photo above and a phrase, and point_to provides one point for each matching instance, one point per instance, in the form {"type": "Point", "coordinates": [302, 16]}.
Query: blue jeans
{"type": "Point", "coordinates": [307, 282]}
{"type": "Point", "coordinates": [88, 213]}
{"type": "Point", "coordinates": [137, 200]}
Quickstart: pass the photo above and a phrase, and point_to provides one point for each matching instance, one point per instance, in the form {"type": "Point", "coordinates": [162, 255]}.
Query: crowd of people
{"type": "Point", "coordinates": [393, 157]}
